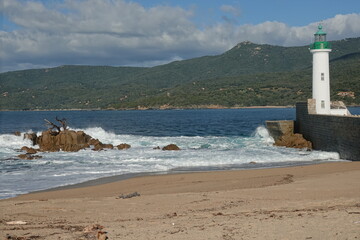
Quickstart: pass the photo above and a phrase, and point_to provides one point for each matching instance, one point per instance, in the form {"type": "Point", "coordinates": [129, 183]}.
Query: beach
{"type": "Point", "coordinates": [320, 201]}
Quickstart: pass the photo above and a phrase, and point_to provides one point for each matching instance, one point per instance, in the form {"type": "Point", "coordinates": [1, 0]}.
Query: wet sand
{"type": "Point", "coordinates": [304, 202]}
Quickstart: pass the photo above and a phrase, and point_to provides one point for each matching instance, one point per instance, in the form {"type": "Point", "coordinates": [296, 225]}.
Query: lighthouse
{"type": "Point", "coordinates": [320, 50]}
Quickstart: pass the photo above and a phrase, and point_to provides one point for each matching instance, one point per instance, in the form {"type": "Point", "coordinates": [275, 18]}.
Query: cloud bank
{"type": "Point", "coordinates": [124, 33]}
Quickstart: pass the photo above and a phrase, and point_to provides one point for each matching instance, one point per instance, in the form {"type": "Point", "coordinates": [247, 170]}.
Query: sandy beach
{"type": "Point", "coordinates": [305, 202]}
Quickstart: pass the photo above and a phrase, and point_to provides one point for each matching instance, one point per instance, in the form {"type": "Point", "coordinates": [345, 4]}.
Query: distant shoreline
{"type": "Point", "coordinates": [154, 108]}
{"type": "Point", "coordinates": [147, 108]}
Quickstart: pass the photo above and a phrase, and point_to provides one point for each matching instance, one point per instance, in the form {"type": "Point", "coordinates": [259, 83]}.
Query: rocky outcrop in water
{"type": "Point", "coordinates": [123, 146]}
{"type": "Point", "coordinates": [68, 141]}
{"type": "Point", "coordinates": [60, 138]}
{"type": "Point", "coordinates": [283, 134]}
{"type": "Point", "coordinates": [100, 146]}
{"type": "Point", "coordinates": [28, 156]}
{"type": "Point", "coordinates": [29, 150]}
{"type": "Point", "coordinates": [293, 141]}
{"type": "Point", "coordinates": [171, 147]}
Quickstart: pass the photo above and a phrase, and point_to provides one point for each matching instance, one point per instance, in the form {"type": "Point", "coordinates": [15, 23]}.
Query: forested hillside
{"type": "Point", "coordinates": [247, 75]}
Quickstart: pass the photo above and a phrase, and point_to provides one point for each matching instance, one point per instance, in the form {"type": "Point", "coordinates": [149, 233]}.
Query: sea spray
{"type": "Point", "coordinates": [262, 133]}
{"type": "Point", "coordinates": [12, 141]}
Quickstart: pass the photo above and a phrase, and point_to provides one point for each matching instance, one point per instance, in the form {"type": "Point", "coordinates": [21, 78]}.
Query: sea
{"type": "Point", "coordinates": [209, 139]}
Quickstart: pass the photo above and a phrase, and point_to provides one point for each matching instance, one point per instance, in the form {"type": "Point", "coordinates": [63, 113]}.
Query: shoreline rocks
{"type": "Point", "coordinates": [123, 146]}
{"type": "Point", "coordinates": [28, 156]}
{"type": "Point", "coordinates": [68, 141]}
{"type": "Point", "coordinates": [64, 139]}
{"type": "Point", "coordinates": [29, 150]}
{"type": "Point", "coordinates": [283, 134]}
{"type": "Point", "coordinates": [293, 140]}
{"type": "Point", "coordinates": [100, 146]}
{"type": "Point", "coordinates": [171, 147]}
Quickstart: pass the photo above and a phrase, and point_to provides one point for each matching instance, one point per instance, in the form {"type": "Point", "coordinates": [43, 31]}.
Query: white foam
{"type": "Point", "coordinates": [12, 141]}
{"type": "Point", "coordinates": [262, 133]}
{"type": "Point", "coordinates": [61, 168]}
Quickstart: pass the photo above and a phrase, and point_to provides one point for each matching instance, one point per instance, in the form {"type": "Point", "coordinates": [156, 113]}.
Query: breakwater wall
{"type": "Point", "coordinates": [328, 132]}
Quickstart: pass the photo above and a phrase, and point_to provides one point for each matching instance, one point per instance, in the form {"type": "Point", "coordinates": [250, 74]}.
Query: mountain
{"type": "Point", "coordinates": [261, 89]}
{"type": "Point", "coordinates": [248, 74]}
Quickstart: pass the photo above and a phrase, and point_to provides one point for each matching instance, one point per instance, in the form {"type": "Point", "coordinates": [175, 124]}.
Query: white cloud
{"type": "Point", "coordinates": [106, 32]}
{"type": "Point", "coordinates": [231, 9]}
{"type": "Point", "coordinates": [343, 26]}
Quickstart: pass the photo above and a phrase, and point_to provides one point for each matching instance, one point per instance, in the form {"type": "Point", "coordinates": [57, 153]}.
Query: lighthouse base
{"type": "Point", "coordinates": [336, 108]}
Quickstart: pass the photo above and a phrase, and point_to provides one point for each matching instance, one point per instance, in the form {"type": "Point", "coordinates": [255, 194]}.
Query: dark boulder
{"type": "Point", "coordinates": [28, 156]}
{"type": "Point", "coordinates": [94, 142]}
{"type": "Point", "coordinates": [123, 146]}
{"type": "Point", "coordinates": [293, 141]}
{"type": "Point", "coordinates": [101, 146]}
{"type": "Point", "coordinates": [108, 146]}
{"type": "Point", "coordinates": [29, 150]}
{"type": "Point", "coordinates": [98, 147]}
{"type": "Point", "coordinates": [171, 147]}
{"type": "Point", "coordinates": [283, 134]}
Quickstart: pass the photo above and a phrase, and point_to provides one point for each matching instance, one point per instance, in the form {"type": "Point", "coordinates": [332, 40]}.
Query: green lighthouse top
{"type": "Point", "coordinates": [320, 40]}
{"type": "Point", "coordinates": [320, 31]}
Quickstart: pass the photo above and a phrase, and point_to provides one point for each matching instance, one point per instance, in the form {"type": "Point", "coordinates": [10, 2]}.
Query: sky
{"type": "Point", "coordinates": [145, 33]}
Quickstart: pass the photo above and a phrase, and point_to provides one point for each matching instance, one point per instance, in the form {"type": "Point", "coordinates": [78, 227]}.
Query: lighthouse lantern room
{"type": "Point", "coordinates": [320, 50]}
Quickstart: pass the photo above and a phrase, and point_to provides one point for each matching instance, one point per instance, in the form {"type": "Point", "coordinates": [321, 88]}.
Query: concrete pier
{"type": "Point", "coordinates": [329, 132]}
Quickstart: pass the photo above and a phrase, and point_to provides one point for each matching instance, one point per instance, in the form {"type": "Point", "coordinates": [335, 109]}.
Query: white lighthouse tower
{"type": "Point", "coordinates": [320, 50]}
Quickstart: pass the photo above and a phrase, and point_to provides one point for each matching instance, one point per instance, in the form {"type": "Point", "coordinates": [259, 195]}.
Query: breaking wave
{"type": "Point", "coordinates": [198, 153]}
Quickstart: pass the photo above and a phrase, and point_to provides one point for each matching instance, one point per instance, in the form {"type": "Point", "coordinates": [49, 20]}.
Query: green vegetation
{"type": "Point", "coordinates": [247, 75]}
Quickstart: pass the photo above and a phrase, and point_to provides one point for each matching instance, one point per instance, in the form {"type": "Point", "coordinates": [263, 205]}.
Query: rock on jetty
{"type": "Point", "coordinates": [293, 140]}
{"type": "Point", "coordinates": [283, 134]}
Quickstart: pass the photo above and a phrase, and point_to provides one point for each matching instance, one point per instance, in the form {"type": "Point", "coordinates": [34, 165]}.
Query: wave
{"type": "Point", "coordinates": [10, 143]}
{"type": "Point", "coordinates": [204, 152]}
{"type": "Point", "coordinates": [259, 142]}
{"type": "Point", "coordinates": [262, 133]}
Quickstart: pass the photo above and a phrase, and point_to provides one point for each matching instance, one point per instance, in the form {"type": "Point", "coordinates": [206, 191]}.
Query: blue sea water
{"type": "Point", "coordinates": [209, 139]}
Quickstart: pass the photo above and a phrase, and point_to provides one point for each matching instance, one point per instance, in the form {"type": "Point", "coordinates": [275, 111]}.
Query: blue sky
{"type": "Point", "coordinates": [291, 12]}
{"type": "Point", "coordinates": [49, 33]}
